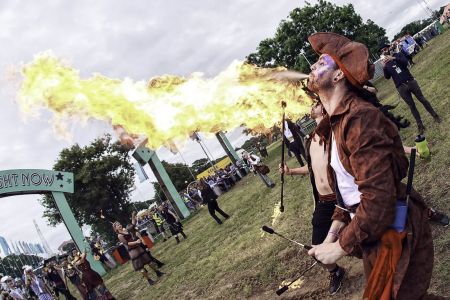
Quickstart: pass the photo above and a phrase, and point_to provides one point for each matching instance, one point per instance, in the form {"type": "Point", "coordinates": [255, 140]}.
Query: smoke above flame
{"type": "Point", "coordinates": [165, 108]}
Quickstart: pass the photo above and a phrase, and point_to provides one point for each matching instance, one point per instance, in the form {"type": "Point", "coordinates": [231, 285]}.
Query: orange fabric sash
{"type": "Point", "coordinates": [381, 279]}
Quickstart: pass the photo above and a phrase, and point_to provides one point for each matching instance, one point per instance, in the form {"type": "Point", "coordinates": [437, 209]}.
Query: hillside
{"type": "Point", "coordinates": [236, 261]}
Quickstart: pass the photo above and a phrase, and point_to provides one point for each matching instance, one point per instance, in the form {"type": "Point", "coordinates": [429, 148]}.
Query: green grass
{"type": "Point", "coordinates": [235, 261]}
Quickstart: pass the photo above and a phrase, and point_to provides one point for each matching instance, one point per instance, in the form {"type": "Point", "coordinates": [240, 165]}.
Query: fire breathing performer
{"type": "Point", "coordinates": [324, 196]}
{"type": "Point", "coordinates": [139, 257]}
{"type": "Point", "coordinates": [367, 163]}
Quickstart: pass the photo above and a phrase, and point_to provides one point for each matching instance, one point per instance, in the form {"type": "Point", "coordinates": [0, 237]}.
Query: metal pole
{"type": "Point", "coordinates": [306, 59]}
{"type": "Point", "coordinates": [181, 155]}
{"type": "Point", "coordinates": [207, 156]}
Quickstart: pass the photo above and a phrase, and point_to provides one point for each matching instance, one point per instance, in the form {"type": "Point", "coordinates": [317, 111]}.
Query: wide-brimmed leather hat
{"type": "Point", "coordinates": [351, 57]}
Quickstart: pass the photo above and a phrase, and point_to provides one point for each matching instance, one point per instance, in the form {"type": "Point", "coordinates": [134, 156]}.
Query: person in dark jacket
{"type": "Point", "coordinates": [210, 199]}
{"type": "Point", "coordinates": [396, 67]}
{"type": "Point", "coordinates": [173, 221]}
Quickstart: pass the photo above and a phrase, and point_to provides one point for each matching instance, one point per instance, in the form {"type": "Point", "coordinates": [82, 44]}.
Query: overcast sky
{"type": "Point", "coordinates": [136, 39]}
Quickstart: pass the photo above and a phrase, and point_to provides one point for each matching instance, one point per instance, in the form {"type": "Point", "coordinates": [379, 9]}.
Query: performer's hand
{"type": "Point", "coordinates": [284, 170]}
{"type": "Point", "coordinates": [386, 59]}
{"type": "Point", "coordinates": [327, 253]}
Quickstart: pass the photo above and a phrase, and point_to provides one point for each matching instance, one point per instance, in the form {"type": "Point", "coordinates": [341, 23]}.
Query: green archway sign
{"type": "Point", "coordinates": [32, 181]}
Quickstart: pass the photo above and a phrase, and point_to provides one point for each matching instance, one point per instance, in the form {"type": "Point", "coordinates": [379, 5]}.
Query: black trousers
{"type": "Point", "coordinates": [296, 147]}
{"type": "Point", "coordinates": [321, 220]}
{"type": "Point", "coordinates": [406, 90]}
{"type": "Point", "coordinates": [213, 206]}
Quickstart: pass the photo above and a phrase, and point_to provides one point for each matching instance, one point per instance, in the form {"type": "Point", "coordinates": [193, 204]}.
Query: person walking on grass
{"type": "Point", "coordinates": [210, 199]}
{"type": "Point", "coordinates": [324, 196]}
{"type": "Point", "coordinates": [158, 223]}
{"type": "Point", "coordinates": [257, 167]}
{"type": "Point", "coordinates": [139, 257]}
{"type": "Point", "coordinates": [396, 67]}
{"type": "Point", "coordinates": [173, 221]}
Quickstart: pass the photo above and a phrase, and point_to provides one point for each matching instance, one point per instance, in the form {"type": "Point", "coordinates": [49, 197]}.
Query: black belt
{"type": "Point", "coordinates": [411, 80]}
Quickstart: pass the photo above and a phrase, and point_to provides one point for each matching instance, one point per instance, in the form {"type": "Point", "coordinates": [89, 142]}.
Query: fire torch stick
{"type": "Point", "coordinates": [271, 231]}
{"type": "Point", "coordinates": [283, 105]}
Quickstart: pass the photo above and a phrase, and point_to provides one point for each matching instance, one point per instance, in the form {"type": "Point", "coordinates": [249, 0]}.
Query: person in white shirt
{"type": "Point", "coordinates": [256, 166]}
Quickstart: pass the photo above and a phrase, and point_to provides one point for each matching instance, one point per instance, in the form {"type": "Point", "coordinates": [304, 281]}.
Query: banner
{"type": "Point", "coordinates": [219, 165]}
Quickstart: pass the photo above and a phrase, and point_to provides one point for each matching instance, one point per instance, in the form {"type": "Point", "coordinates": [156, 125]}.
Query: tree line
{"type": "Point", "coordinates": [103, 170]}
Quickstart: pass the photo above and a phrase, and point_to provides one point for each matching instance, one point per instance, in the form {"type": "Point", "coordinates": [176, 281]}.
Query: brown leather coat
{"type": "Point", "coordinates": [370, 149]}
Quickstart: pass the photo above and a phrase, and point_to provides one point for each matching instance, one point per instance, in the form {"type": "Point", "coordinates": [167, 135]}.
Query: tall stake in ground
{"type": "Point", "coordinates": [283, 105]}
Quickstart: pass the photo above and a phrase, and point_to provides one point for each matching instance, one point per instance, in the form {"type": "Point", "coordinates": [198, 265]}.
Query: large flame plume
{"type": "Point", "coordinates": [165, 108]}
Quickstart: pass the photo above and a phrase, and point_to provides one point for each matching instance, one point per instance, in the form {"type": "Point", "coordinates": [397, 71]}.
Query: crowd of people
{"type": "Point", "coordinates": [51, 281]}
{"type": "Point", "coordinates": [356, 162]}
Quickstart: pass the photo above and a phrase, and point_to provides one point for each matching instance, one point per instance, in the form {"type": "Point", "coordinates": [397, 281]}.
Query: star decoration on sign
{"type": "Point", "coordinates": [59, 176]}
{"type": "Point", "coordinates": [61, 186]}
{"type": "Point", "coordinates": [69, 181]}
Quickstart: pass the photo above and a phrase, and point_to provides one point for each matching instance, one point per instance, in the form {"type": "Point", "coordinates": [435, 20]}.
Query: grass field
{"type": "Point", "coordinates": [236, 261]}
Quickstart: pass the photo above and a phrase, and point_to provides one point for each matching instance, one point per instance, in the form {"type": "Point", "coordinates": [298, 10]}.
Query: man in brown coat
{"type": "Point", "coordinates": [367, 164]}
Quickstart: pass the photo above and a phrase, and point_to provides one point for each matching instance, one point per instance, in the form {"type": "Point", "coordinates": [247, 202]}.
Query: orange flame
{"type": "Point", "coordinates": [164, 109]}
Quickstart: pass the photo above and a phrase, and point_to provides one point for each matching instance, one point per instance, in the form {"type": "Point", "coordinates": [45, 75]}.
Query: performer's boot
{"type": "Point", "coordinates": [438, 217]}
{"type": "Point", "coordinates": [177, 239]}
{"type": "Point", "coordinates": [336, 276]}
{"type": "Point", "coordinates": [145, 275]}
{"type": "Point", "coordinates": [183, 234]}
{"type": "Point", "coordinates": [159, 273]}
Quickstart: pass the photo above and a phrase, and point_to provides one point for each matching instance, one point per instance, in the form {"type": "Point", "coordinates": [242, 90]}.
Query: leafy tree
{"type": "Point", "coordinates": [290, 40]}
{"type": "Point", "coordinates": [200, 165]}
{"type": "Point", "coordinates": [12, 264]}
{"type": "Point", "coordinates": [68, 247]}
{"type": "Point", "coordinates": [412, 28]}
{"type": "Point", "coordinates": [103, 178]}
{"type": "Point", "coordinates": [178, 173]}
{"type": "Point", "coordinates": [250, 144]}
{"type": "Point", "coordinates": [140, 205]}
